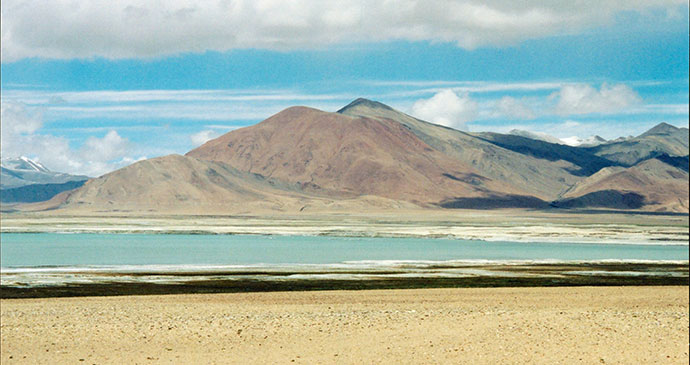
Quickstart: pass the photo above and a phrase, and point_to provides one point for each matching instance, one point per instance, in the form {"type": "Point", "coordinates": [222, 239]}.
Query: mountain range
{"type": "Point", "coordinates": [570, 141]}
{"type": "Point", "coordinates": [368, 156]}
{"type": "Point", "coordinates": [24, 180]}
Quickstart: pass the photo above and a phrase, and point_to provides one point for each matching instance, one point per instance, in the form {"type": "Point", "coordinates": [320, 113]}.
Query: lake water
{"type": "Point", "coordinates": [47, 249]}
{"type": "Point", "coordinates": [44, 258]}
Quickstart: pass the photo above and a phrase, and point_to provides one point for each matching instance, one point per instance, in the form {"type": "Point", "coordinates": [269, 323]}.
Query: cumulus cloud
{"type": "Point", "coordinates": [584, 99]}
{"type": "Point", "coordinates": [21, 136]}
{"type": "Point", "coordinates": [204, 136]}
{"type": "Point", "coordinates": [134, 28]}
{"type": "Point", "coordinates": [110, 147]}
{"type": "Point", "coordinates": [513, 108]}
{"type": "Point", "coordinates": [446, 108]}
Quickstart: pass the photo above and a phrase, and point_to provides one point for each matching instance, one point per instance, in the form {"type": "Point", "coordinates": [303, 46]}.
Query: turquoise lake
{"type": "Point", "coordinates": [47, 249]}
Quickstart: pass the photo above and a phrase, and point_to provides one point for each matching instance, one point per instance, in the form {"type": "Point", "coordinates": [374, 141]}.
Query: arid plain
{"type": "Point", "coordinates": [611, 325]}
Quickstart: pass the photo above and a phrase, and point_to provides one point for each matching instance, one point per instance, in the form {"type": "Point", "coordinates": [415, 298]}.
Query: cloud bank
{"type": "Point", "coordinates": [584, 99]}
{"type": "Point", "coordinates": [513, 108]}
{"type": "Point", "coordinates": [20, 136]}
{"type": "Point", "coordinates": [63, 29]}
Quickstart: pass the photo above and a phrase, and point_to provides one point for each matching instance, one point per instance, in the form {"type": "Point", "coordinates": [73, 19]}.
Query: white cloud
{"type": "Point", "coordinates": [66, 29]}
{"type": "Point", "coordinates": [513, 108]}
{"type": "Point", "coordinates": [584, 99]}
{"type": "Point", "coordinates": [161, 95]}
{"type": "Point", "coordinates": [21, 136]}
{"type": "Point", "coordinates": [677, 109]}
{"type": "Point", "coordinates": [18, 119]}
{"type": "Point", "coordinates": [204, 136]}
{"type": "Point", "coordinates": [446, 108]}
{"type": "Point", "coordinates": [569, 124]}
{"type": "Point", "coordinates": [110, 147]}
{"type": "Point", "coordinates": [194, 105]}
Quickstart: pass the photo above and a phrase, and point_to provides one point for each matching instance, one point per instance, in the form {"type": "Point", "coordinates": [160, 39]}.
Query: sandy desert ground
{"type": "Point", "coordinates": [630, 325]}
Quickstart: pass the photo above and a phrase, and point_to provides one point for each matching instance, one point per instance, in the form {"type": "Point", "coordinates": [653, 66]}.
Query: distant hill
{"type": "Point", "coordinates": [36, 192]}
{"type": "Point", "coordinates": [585, 161]}
{"type": "Point", "coordinates": [536, 136]}
{"type": "Point", "coordinates": [680, 162]}
{"type": "Point", "coordinates": [651, 183]}
{"type": "Point", "coordinates": [368, 156]}
{"type": "Point", "coordinates": [662, 139]}
{"type": "Point", "coordinates": [583, 142]}
{"type": "Point", "coordinates": [182, 184]}
{"type": "Point", "coordinates": [570, 141]}
{"type": "Point", "coordinates": [26, 180]}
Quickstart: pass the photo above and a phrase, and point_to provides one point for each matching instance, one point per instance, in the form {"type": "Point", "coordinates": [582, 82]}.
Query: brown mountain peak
{"type": "Point", "coordinates": [362, 103]}
{"type": "Point", "coordinates": [660, 129]}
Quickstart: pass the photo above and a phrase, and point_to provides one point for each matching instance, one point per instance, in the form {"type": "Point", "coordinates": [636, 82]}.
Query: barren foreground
{"type": "Point", "coordinates": [493, 325]}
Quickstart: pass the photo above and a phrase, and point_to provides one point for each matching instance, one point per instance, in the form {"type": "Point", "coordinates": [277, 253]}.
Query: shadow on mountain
{"type": "Point", "coordinates": [495, 202]}
{"type": "Point", "coordinates": [680, 162]}
{"type": "Point", "coordinates": [36, 192]}
{"type": "Point", "coordinates": [612, 199]}
{"type": "Point", "coordinates": [587, 162]}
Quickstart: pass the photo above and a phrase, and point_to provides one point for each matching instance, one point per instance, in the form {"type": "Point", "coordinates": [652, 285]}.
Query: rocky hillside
{"type": "Point", "coordinates": [370, 156]}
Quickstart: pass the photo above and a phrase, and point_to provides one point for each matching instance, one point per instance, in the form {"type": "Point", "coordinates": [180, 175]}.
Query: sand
{"type": "Point", "coordinates": [632, 325]}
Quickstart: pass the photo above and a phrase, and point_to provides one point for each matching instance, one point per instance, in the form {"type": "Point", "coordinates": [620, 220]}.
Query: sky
{"type": "Point", "coordinates": [91, 86]}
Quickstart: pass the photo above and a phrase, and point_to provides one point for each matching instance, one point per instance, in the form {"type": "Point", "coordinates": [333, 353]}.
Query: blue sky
{"type": "Point", "coordinates": [93, 88]}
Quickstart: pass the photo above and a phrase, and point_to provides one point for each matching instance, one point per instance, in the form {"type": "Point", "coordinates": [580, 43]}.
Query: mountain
{"type": "Point", "coordinates": [570, 141]}
{"type": "Point", "coordinates": [533, 176]}
{"type": "Point", "coordinates": [584, 162]}
{"type": "Point", "coordinates": [652, 183]}
{"type": "Point", "coordinates": [539, 136]}
{"type": "Point", "coordinates": [355, 155]}
{"type": "Point", "coordinates": [583, 142]}
{"type": "Point", "coordinates": [368, 156]}
{"type": "Point", "coordinates": [661, 139]}
{"type": "Point", "coordinates": [24, 164]}
{"type": "Point", "coordinates": [26, 180]}
{"type": "Point", "coordinates": [182, 184]}
{"type": "Point", "coordinates": [680, 162]}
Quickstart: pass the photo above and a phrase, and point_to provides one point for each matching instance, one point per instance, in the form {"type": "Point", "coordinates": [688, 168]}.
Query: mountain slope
{"type": "Point", "coordinates": [662, 139]}
{"type": "Point", "coordinates": [570, 141]}
{"type": "Point", "coordinates": [23, 171]}
{"type": "Point", "coordinates": [23, 180]}
{"type": "Point", "coordinates": [651, 184]}
{"type": "Point", "coordinates": [181, 184]}
{"type": "Point", "coordinates": [368, 156]}
{"type": "Point", "coordinates": [334, 152]}
{"type": "Point", "coordinates": [535, 135]}
{"type": "Point", "coordinates": [587, 163]}
{"type": "Point", "coordinates": [169, 181]}
{"type": "Point", "coordinates": [534, 176]}
{"type": "Point", "coordinates": [36, 192]}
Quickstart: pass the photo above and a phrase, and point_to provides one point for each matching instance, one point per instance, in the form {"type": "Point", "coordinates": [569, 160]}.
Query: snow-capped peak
{"type": "Point", "coordinates": [541, 136]}
{"type": "Point", "coordinates": [24, 163]}
{"type": "Point", "coordinates": [577, 141]}
{"type": "Point", "coordinates": [569, 141]}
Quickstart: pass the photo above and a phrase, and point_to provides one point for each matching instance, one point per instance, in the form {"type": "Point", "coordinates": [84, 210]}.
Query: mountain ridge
{"type": "Point", "coordinates": [23, 180]}
{"type": "Point", "coordinates": [371, 156]}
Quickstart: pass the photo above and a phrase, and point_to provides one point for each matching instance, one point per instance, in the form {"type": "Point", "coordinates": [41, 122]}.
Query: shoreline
{"type": "Point", "coordinates": [666, 241]}
{"type": "Point", "coordinates": [490, 226]}
{"type": "Point", "coordinates": [92, 283]}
